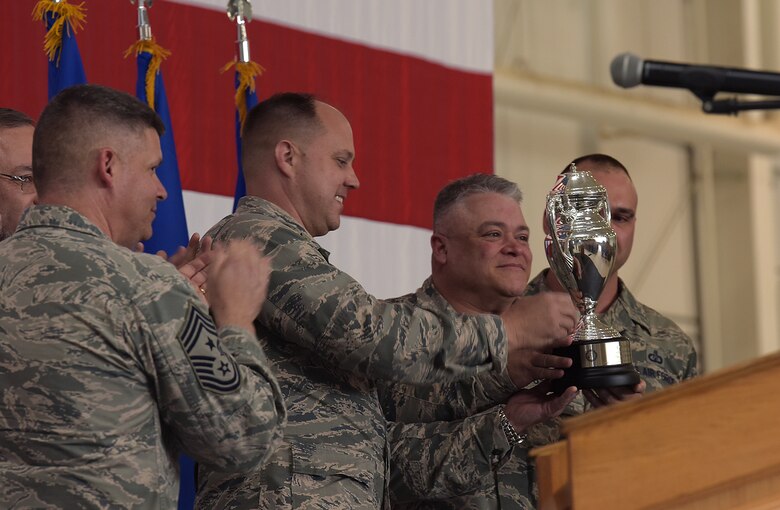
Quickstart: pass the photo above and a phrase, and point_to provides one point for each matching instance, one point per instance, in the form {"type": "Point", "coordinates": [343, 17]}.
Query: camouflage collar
{"type": "Point", "coordinates": [625, 302]}
{"type": "Point", "coordinates": [430, 298]}
{"type": "Point", "coordinates": [537, 285]}
{"type": "Point", "coordinates": [59, 216]}
{"type": "Point", "coordinates": [628, 303]}
{"type": "Point", "coordinates": [255, 205]}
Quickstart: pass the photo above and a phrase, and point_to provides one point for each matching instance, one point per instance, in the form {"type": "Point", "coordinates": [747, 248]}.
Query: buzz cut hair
{"type": "Point", "coordinates": [460, 189]}
{"type": "Point", "coordinates": [602, 161]}
{"type": "Point", "coordinates": [74, 119]}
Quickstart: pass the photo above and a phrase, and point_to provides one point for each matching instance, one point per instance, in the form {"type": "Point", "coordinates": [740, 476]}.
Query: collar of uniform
{"type": "Point", "coordinates": [59, 216]}
{"type": "Point", "coordinates": [537, 285]}
{"type": "Point", "coordinates": [627, 302]}
{"type": "Point", "coordinates": [256, 205]}
{"type": "Point", "coordinates": [429, 298]}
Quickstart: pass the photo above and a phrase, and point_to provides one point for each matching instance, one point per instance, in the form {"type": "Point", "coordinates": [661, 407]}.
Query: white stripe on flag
{"type": "Point", "coordinates": [455, 33]}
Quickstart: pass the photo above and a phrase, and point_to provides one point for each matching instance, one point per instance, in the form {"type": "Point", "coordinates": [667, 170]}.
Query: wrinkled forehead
{"type": "Point", "coordinates": [16, 146]}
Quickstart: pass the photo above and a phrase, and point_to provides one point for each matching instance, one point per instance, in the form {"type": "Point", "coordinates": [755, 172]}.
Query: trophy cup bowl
{"type": "Point", "coordinates": [581, 249]}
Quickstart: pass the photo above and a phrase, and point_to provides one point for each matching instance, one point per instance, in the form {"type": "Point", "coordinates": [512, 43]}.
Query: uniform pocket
{"type": "Point", "coordinates": [333, 476]}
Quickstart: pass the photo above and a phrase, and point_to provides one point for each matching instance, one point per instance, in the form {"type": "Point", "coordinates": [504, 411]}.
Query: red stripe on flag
{"type": "Point", "coordinates": [417, 124]}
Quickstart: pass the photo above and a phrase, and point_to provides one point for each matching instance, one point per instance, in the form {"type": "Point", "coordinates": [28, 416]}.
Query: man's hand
{"type": "Point", "coordinates": [601, 397]}
{"type": "Point", "coordinates": [535, 325]}
{"type": "Point", "coordinates": [238, 284]}
{"type": "Point", "coordinates": [186, 255]}
{"type": "Point", "coordinates": [527, 365]}
{"type": "Point", "coordinates": [196, 272]}
{"type": "Point", "coordinates": [529, 407]}
{"type": "Point", "coordinates": [540, 322]}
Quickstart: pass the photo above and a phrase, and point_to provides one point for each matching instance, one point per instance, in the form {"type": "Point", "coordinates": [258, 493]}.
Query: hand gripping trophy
{"type": "Point", "coordinates": [581, 248]}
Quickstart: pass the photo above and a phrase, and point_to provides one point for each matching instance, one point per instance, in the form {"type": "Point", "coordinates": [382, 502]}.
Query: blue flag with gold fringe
{"type": "Point", "coordinates": [245, 99]}
{"type": "Point", "coordinates": [170, 224]}
{"type": "Point", "coordinates": [62, 20]}
{"type": "Point", "coordinates": [250, 99]}
{"type": "Point", "coordinates": [169, 228]}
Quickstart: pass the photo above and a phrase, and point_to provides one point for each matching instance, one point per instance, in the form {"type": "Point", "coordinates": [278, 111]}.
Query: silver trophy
{"type": "Point", "coordinates": [581, 249]}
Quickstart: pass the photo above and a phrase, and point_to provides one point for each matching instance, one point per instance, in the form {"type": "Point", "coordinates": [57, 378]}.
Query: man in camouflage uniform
{"type": "Point", "coordinates": [662, 353]}
{"type": "Point", "coordinates": [111, 362]}
{"type": "Point", "coordinates": [480, 264]}
{"type": "Point", "coordinates": [17, 190]}
{"type": "Point", "coordinates": [329, 339]}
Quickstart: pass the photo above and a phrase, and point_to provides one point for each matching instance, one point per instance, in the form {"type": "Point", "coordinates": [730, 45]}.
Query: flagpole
{"type": "Point", "coordinates": [144, 28]}
{"type": "Point", "coordinates": [170, 224]}
{"type": "Point", "coordinates": [240, 12]}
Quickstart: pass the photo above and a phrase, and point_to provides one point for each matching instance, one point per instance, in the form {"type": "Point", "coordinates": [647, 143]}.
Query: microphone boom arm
{"type": "Point", "coordinates": [732, 106]}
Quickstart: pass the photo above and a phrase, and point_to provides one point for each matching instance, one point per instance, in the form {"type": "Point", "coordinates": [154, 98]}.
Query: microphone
{"type": "Point", "coordinates": [629, 71]}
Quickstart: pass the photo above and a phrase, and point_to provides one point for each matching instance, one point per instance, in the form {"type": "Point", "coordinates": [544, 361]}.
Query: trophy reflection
{"type": "Point", "coordinates": [581, 249]}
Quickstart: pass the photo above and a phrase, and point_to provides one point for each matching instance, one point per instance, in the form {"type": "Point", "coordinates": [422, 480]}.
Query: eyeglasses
{"type": "Point", "coordinates": [25, 182]}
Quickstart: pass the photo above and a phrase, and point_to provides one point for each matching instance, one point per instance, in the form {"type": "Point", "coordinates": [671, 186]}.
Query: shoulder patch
{"type": "Point", "coordinates": [215, 370]}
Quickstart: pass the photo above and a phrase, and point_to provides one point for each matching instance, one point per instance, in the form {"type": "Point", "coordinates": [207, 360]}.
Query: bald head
{"type": "Point", "coordinates": [298, 154]}
{"type": "Point", "coordinates": [76, 124]}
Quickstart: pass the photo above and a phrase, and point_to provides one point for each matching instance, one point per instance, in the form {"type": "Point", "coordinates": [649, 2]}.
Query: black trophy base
{"type": "Point", "coordinates": [583, 377]}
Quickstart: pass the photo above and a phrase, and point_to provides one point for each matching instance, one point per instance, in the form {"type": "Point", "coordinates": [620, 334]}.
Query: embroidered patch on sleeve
{"type": "Point", "coordinates": [215, 370]}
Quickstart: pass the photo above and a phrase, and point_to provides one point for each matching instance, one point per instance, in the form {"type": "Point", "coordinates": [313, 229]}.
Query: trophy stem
{"type": "Point", "coordinates": [593, 328]}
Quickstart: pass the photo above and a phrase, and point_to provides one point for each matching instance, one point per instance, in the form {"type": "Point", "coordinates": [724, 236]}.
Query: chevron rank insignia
{"type": "Point", "coordinates": [216, 371]}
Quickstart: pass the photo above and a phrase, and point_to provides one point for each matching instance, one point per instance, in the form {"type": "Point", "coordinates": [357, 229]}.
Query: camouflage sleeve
{"type": "Point", "coordinates": [445, 401]}
{"type": "Point", "coordinates": [441, 460]}
{"type": "Point", "coordinates": [489, 389]}
{"type": "Point", "coordinates": [313, 304]}
{"type": "Point", "coordinates": [222, 413]}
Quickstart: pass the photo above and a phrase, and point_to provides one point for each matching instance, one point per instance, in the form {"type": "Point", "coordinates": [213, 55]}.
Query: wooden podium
{"type": "Point", "coordinates": [709, 443]}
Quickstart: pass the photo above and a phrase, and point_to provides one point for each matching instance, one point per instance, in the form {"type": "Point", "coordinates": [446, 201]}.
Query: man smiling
{"type": "Point", "coordinates": [112, 364]}
{"type": "Point", "coordinates": [449, 441]}
{"type": "Point", "coordinates": [329, 339]}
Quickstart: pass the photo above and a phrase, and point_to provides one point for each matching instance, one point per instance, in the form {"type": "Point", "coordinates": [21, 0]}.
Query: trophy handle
{"type": "Point", "coordinates": [607, 211]}
{"type": "Point", "coordinates": [561, 262]}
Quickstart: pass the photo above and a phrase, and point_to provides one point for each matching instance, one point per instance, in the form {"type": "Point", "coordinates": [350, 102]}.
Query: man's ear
{"type": "Point", "coordinates": [286, 157]}
{"type": "Point", "coordinates": [106, 166]}
{"type": "Point", "coordinates": [439, 248]}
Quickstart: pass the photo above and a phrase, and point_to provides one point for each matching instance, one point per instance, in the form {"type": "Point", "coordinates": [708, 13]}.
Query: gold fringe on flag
{"type": "Point", "coordinates": [158, 54]}
{"type": "Point", "coordinates": [74, 15]}
{"type": "Point", "coordinates": [247, 72]}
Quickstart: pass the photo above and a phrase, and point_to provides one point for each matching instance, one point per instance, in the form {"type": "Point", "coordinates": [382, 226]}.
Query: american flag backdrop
{"type": "Point", "coordinates": [413, 76]}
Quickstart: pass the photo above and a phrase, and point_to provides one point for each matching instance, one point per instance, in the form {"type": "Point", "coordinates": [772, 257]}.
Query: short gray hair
{"type": "Point", "coordinates": [464, 187]}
